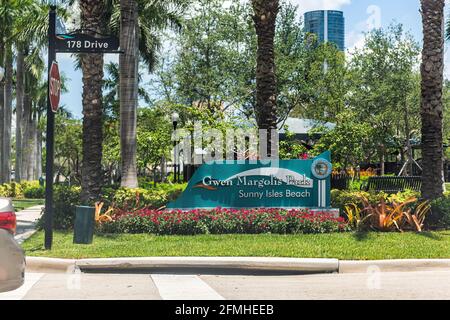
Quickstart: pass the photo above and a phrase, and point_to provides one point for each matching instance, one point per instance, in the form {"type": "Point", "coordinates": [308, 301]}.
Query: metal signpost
{"type": "Point", "coordinates": [50, 133]}
{"type": "Point", "coordinates": [72, 43]}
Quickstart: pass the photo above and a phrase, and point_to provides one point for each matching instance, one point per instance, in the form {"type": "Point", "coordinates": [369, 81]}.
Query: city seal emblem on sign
{"type": "Point", "coordinates": [321, 168]}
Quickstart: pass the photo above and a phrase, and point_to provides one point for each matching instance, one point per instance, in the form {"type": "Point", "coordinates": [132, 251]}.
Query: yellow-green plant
{"type": "Point", "coordinates": [356, 216]}
{"type": "Point", "coordinates": [416, 220]}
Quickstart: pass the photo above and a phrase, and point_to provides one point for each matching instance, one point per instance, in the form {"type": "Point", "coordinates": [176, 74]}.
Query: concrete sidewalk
{"type": "Point", "coordinates": [235, 265]}
{"type": "Point", "coordinates": [26, 222]}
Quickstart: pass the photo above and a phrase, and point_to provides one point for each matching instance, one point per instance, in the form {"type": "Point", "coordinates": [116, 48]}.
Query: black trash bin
{"type": "Point", "coordinates": [84, 225]}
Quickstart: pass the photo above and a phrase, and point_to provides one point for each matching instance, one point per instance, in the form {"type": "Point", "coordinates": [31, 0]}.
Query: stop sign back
{"type": "Point", "coordinates": [54, 86]}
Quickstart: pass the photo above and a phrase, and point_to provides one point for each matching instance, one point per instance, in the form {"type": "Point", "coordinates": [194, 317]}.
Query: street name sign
{"type": "Point", "coordinates": [54, 86]}
{"type": "Point", "coordinates": [276, 184]}
{"type": "Point", "coordinates": [83, 43]}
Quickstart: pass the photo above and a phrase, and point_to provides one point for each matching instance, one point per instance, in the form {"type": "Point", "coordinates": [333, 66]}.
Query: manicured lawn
{"type": "Point", "coordinates": [27, 203]}
{"type": "Point", "coordinates": [342, 246]}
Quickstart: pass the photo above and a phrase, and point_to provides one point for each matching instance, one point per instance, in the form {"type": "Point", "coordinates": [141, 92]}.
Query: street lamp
{"type": "Point", "coordinates": [175, 119]}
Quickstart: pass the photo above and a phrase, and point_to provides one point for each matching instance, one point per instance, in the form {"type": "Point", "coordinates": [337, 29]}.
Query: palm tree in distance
{"type": "Point", "coordinates": [431, 103]}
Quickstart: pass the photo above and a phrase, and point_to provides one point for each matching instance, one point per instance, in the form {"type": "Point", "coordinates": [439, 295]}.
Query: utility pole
{"type": "Point", "coordinates": [50, 135]}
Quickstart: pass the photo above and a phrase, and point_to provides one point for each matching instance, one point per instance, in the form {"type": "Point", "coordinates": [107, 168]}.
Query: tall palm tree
{"type": "Point", "coordinates": [139, 19]}
{"type": "Point", "coordinates": [93, 22]}
{"type": "Point", "coordinates": [8, 14]}
{"type": "Point", "coordinates": [128, 64]}
{"type": "Point", "coordinates": [431, 104]}
{"type": "Point", "coordinates": [265, 15]}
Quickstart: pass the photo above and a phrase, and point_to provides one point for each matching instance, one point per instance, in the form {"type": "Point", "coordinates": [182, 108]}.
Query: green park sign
{"type": "Point", "coordinates": [258, 184]}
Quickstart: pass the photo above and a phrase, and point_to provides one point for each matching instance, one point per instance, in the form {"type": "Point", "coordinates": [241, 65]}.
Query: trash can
{"type": "Point", "coordinates": [84, 225]}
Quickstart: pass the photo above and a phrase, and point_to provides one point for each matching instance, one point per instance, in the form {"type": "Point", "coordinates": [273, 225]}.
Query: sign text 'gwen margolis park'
{"type": "Point", "coordinates": [259, 184]}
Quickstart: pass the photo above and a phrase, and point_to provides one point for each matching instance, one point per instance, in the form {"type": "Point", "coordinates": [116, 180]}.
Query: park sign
{"type": "Point", "coordinates": [258, 184]}
{"type": "Point", "coordinates": [54, 86]}
{"type": "Point", "coordinates": [83, 43]}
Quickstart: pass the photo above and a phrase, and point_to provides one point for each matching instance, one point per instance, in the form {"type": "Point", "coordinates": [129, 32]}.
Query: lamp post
{"type": "Point", "coordinates": [175, 119]}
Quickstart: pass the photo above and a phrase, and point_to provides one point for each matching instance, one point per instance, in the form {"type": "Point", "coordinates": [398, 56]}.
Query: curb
{"type": "Point", "coordinates": [211, 263]}
{"type": "Point", "coordinates": [233, 264]}
{"type": "Point", "coordinates": [49, 265]}
{"type": "Point", "coordinates": [291, 265]}
{"type": "Point", "coordinates": [410, 265]}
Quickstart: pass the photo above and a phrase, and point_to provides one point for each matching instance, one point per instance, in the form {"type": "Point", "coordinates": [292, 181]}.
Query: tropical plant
{"type": "Point", "coordinates": [102, 217]}
{"type": "Point", "coordinates": [387, 215]}
{"type": "Point", "coordinates": [356, 216]}
{"type": "Point", "coordinates": [416, 219]}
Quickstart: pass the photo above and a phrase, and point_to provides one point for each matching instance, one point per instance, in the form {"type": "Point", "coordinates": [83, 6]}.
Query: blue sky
{"type": "Point", "coordinates": [360, 15]}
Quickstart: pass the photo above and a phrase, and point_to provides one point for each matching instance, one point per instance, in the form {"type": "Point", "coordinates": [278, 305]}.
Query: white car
{"type": "Point", "coordinates": [12, 257]}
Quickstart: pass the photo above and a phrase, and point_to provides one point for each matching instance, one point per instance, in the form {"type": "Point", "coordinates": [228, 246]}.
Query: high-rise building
{"type": "Point", "coordinates": [328, 25]}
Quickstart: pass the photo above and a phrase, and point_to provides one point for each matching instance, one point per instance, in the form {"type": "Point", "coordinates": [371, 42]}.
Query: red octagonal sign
{"type": "Point", "coordinates": [55, 86]}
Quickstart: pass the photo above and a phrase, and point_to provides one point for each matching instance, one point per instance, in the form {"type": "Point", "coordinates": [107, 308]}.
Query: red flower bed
{"type": "Point", "coordinates": [223, 221]}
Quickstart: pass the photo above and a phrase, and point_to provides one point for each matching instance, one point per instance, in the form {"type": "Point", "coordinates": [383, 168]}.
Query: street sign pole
{"type": "Point", "coordinates": [50, 136]}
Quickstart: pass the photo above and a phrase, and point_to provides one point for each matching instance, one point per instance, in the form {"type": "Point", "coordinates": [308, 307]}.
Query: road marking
{"type": "Point", "coordinates": [184, 287]}
{"type": "Point", "coordinates": [30, 280]}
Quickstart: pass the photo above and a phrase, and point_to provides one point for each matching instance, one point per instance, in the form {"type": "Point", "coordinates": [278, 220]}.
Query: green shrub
{"type": "Point", "coordinates": [33, 190]}
{"type": "Point", "coordinates": [155, 197]}
{"type": "Point", "coordinates": [11, 190]}
{"type": "Point", "coordinates": [65, 199]}
{"type": "Point", "coordinates": [441, 212]}
{"type": "Point", "coordinates": [341, 198]}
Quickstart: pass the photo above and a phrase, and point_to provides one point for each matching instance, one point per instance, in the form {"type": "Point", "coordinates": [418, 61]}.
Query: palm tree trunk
{"type": "Point", "coordinates": [431, 103]}
{"type": "Point", "coordinates": [265, 14]}
{"type": "Point", "coordinates": [19, 111]}
{"type": "Point", "coordinates": [92, 67]}
{"type": "Point", "coordinates": [7, 114]}
{"type": "Point", "coordinates": [2, 128]}
{"type": "Point", "coordinates": [39, 149]}
{"type": "Point", "coordinates": [26, 134]}
{"type": "Point", "coordinates": [33, 157]}
{"type": "Point", "coordinates": [128, 91]}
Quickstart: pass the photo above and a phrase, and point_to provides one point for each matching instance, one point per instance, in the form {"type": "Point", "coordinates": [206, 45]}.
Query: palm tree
{"type": "Point", "coordinates": [138, 22]}
{"type": "Point", "coordinates": [431, 103]}
{"type": "Point", "coordinates": [265, 15]}
{"type": "Point", "coordinates": [93, 22]}
{"type": "Point", "coordinates": [8, 13]}
{"type": "Point", "coordinates": [128, 64]}
{"type": "Point", "coordinates": [26, 37]}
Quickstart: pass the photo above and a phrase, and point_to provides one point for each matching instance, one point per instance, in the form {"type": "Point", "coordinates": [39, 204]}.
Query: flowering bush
{"type": "Point", "coordinates": [223, 221]}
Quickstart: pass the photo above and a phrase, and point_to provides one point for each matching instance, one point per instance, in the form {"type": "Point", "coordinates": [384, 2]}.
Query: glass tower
{"type": "Point", "coordinates": [328, 25]}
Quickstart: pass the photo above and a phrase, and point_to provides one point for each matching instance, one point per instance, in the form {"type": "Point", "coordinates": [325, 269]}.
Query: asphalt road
{"type": "Point", "coordinates": [79, 286]}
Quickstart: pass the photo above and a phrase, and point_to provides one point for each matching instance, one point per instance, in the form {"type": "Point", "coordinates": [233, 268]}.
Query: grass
{"type": "Point", "coordinates": [447, 186]}
{"type": "Point", "coordinates": [22, 204]}
{"type": "Point", "coordinates": [368, 246]}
